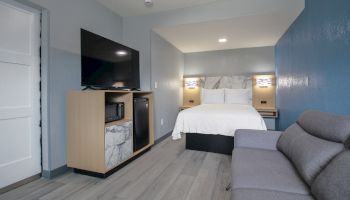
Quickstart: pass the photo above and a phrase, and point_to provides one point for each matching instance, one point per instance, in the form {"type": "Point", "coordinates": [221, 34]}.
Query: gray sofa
{"type": "Point", "coordinates": [308, 161]}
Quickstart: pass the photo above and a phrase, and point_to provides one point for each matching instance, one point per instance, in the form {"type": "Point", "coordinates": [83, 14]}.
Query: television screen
{"type": "Point", "coordinates": [107, 64]}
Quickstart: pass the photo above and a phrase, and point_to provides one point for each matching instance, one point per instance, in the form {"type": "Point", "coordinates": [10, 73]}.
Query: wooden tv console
{"type": "Point", "coordinates": [87, 140]}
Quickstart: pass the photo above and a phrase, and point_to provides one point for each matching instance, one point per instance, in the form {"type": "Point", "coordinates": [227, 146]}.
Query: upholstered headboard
{"type": "Point", "coordinates": [230, 82]}
{"type": "Point", "coordinates": [191, 97]}
{"type": "Point", "coordinates": [264, 97]}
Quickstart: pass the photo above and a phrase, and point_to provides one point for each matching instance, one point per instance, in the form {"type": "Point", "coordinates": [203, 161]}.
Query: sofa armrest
{"type": "Point", "coordinates": [257, 139]}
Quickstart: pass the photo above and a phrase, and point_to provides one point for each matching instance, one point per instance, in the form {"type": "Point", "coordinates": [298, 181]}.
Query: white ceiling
{"type": "Point", "coordinates": [137, 7]}
{"type": "Point", "coordinates": [247, 23]}
{"type": "Point", "coordinates": [242, 32]}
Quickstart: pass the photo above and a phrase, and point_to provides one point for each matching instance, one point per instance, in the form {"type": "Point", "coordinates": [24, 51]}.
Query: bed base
{"type": "Point", "coordinates": [210, 143]}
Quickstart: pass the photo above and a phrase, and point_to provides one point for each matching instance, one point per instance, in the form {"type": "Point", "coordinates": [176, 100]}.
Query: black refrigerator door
{"type": "Point", "coordinates": [141, 123]}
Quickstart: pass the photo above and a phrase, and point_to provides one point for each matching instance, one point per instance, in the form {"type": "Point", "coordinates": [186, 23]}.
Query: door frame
{"type": "Point", "coordinates": [44, 81]}
{"type": "Point", "coordinates": [45, 61]}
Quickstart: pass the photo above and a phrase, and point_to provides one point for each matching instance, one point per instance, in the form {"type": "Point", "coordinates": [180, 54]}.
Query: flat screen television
{"type": "Point", "coordinates": [107, 64]}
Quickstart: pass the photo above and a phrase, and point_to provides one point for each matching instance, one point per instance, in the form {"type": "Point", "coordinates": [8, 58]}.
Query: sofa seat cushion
{"type": "Point", "coordinates": [256, 194]}
{"type": "Point", "coordinates": [308, 153]}
{"type": "Point", "coordinates": [265, 169]}
{"type": "Point", "coordinates": [334, 182]}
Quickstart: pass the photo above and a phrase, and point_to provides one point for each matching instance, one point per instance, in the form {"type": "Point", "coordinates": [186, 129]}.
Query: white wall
{"type": "Point", "coordinates": [66, 19]}
{"type": "Point", "coordinates": [167, 71]}
{"type": "Point", "coordinates": [230, 62]}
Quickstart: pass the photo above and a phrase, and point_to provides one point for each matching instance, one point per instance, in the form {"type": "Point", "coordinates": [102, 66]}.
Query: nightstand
{"type": "Point", "coordinates": [270, 115]}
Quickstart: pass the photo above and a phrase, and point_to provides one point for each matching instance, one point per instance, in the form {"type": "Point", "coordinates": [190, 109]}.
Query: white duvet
{"type": "Point", "coordinates": [217, 119]}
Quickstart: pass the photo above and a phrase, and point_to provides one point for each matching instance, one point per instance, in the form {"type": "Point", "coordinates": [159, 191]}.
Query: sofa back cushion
{"type": "Point", "coordinates": [326, 126]}
{"type": "Point", "coordinates": [334, 182]}
{"type": "Point", "coordinates": [308, 153]}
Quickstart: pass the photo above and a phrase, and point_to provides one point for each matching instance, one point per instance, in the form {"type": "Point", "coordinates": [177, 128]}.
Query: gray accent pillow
{"type": "Point", "coordinates": [334, 182]}
{"type": "Point", "coordinates": [308, 153]}
{"type": "Point", "coordinates": [326, 126]}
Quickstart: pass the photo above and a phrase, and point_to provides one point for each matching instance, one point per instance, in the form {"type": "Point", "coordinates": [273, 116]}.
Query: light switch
{"type": "Point", "coordinates": [155, 84]}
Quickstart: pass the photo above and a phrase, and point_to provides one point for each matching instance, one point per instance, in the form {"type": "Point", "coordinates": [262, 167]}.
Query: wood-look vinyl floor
{"type": "Point", "coordinates": [167, 172]}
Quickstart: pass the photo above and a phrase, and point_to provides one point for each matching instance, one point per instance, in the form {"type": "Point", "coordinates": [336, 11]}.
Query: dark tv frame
{"type": "Point", "coordinates": [103, 87]}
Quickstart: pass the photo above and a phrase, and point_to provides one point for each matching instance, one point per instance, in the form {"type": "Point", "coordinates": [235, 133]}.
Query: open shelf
{"type": "Point", "coordinates": [125, 97]}
{"type": "Point", "coordinates": [268, 112]}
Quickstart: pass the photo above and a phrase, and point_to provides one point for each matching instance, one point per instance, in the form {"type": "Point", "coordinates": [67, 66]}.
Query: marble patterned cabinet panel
{"type": "Point", "coordinates": [118, 144]}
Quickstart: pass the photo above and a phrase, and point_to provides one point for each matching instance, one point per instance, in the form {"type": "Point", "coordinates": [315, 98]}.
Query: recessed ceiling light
{"type": "Point", "coordinates": [121, 53]}
{"type": "Point", "coordinates": [223, 40]}
{"type": "Point", "coordinates": [148, 3]}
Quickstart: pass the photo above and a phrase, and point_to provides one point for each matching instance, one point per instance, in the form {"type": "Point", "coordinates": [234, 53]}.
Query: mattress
{"type": "Point", "coordinates": [217, 119]}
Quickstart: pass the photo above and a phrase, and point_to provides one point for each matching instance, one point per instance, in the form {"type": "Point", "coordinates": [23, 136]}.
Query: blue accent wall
{"type": "Point", "coordinates": [313, 62]}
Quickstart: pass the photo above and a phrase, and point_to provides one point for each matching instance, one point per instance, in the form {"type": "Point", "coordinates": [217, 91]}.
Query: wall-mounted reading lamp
{"type": "Point", "coordinates": [191, 83]}
{"type": "Point", "coordinates": [264, 82]}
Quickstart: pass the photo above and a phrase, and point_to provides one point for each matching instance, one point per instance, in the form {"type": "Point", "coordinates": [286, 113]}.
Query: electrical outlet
{"type": "Point", "coordinates": [162, 122]}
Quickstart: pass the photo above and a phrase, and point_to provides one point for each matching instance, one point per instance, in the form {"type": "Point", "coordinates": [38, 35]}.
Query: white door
{"type": "Point", "coordinates": [20, 150]}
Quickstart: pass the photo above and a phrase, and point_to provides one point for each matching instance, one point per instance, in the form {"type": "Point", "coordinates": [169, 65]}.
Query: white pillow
{"type": "Point", "coordinates": [209, 96]}
{"type": "Point", "coordinates": [238, 96]}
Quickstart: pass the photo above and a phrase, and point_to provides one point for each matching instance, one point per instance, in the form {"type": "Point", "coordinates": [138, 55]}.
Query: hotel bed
{"type": "Point", "coordinates": [211, 127]}
{"type": "Point", "coordinates": [226, 107]}
{"type": "Point", "coordinates": [218, 119]}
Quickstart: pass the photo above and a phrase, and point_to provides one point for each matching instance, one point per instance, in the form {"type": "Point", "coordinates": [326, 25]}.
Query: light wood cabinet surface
{"type": "Point", "coordinates": [86, 126]}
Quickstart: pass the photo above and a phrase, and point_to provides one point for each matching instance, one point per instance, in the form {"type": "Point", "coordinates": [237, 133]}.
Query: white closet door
{"type": "Point", "coordinates": [20, 150]}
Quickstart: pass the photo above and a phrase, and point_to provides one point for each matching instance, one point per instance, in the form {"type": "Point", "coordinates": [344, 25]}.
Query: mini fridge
{"type": "Point", "coordinates": [141, 123]}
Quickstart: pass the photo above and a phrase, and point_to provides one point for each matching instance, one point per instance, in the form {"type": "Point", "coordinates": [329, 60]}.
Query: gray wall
{"type": "Point", "coordinates": [137, 30]}
{"type": "Point", "coordinates": [167, 71]}
{"type": "Point", "coordinates": [230, 62]}
{"type": "Point", "coordinates": [66, 19]}
{"type": "Point", "coordinates": [137, 33]}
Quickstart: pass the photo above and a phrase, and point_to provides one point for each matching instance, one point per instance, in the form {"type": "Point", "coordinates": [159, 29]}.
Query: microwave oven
{"type": "Point", "coordinates": [114, 111]}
